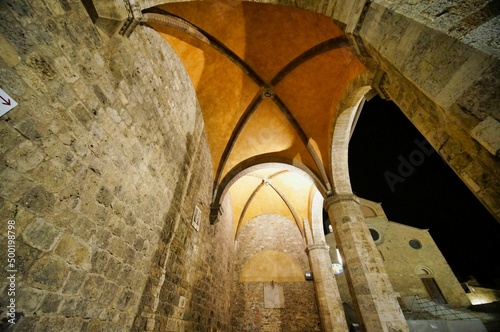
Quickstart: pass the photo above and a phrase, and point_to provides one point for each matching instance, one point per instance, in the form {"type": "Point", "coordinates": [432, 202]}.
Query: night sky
{"type": "Point", "coordinates": [428, 195]}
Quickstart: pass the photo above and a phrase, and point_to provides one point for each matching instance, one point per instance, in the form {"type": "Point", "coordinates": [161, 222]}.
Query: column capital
{"type": "Point", "coordinates": [342, 197]}
{"type": "Point", "coordinates": [315, 246]}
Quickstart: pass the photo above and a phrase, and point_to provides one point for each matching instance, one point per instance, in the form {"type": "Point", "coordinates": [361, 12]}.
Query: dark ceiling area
{"type": "Point", "coordinates": [420, 190]}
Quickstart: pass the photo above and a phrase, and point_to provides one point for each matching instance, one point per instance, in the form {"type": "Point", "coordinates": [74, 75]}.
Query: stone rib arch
{"type": "Point", "coordinates": [268, 181]}
{"type": "Point", "coordinates": [344, 127]}
{"type": "Point", "coordinates": [162, 17]}
{"type": "Point", "coordinates": [257, 163]}
{"type": "Point", "coordinates": [453, 104]}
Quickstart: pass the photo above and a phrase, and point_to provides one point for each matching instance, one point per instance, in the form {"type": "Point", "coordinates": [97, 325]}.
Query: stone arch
{"type": "Point", "coordinates": [375, 209]}
{"type": "Point", "coordinates": [323, 7]}
{"type": "Point", "coordinates": [267, 181]}
{"type": "Point", "coordinates": [443, 82]}
{"type": "Point", "coordinates": [316, 217]}
{"type": "Point", "coordinates": [342, 132]}
{"type": "Point", "coordinates": [253, 164]}
{"type": "Point", "coordinates": [423, 271]}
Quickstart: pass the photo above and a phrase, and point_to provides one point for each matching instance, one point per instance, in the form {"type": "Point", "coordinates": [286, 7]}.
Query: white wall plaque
{"type": "Point", "coordinates": [273, 297]}
{"type": "Point", "coordinates": [196, 218]}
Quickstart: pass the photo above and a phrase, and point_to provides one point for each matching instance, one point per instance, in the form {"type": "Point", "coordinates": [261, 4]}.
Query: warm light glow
{"type": "Point", "coordinates": [480, 295]}
{"type": "Point", "coordinates": [191, 55]}
{"type": "Point", "coordinates": [339, 258]}
{"type": "Point", "coordinates": [337, 268]}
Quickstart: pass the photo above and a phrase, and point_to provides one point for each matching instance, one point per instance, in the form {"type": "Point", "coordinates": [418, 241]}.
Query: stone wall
{"type": "Point", "coordinates": [300, 312]}
{"type": "Point", "coordinates": [102, 163]}
{"type": "Point", "coordinates": [432, 63]}
{"type": "Point", "coordinates": [404, 263]}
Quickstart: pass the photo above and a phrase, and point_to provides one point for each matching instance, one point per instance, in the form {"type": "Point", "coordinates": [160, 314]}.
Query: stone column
{"type": "Point", "coordinates": [372, 294]}
{"type": "Point", "coordinates": [331, 311]}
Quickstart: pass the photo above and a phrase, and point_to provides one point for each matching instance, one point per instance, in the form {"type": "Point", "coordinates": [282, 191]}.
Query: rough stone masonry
{"type": "Point", "coordinates": [101, 165]}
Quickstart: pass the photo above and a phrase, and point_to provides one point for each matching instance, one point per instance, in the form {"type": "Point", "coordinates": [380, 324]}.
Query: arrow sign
{"type": "Point", "coordinates": [6, 102]}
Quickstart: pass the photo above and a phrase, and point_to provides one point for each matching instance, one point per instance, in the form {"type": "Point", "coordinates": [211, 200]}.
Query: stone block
{"type": "Point", "coordinates": [91, 289]}
{"type": "Point", "coordinates": [94, 325]}
{"type": "Point", "coordinates": [74, 252]}
{"type": "Point", "coordinates": [487, 133]}
{"type": "Point", "coordinates": [99, 261]}
{"type": "Point", "coordinates": [105, 196]}
{"type": "Point", "coordinates": [126, 276]}
{"type": "Point", "coordinates": [75, 280]}
{"type": "Point", "coordinates": [50, 175]}
{"type": "Point", "coordinates": [110, 292]}
{"type": "Point", "coordinates": [8, 52]}
{"type": "Point", "coordinates": [66, 70]}
{"type": "Point", "coordinates": [29, 299]}
{"type": "Point", "coordinates": [28, 323]}
{"type": "Point", "coordinates": [10, 137]}
{"type": "Point", "coordinates": [14, 185]}
{"type": "Point", "coordinates": [125, 300]}
{"type": "Point", "coordinates": [41, 235]}
{"type": "Point", "coordinates": [51, 303]}
{"type": "Point", "coordinates": [38, 200]}
{"type": "Point", "coordinates": [49, 273]}
{"type": "Point", "coordinates": [101, 238]}
{"type": "Point", "coordinates": [69, 306]}
{"type": "Point", "coordinates": [81, 114]}
{"type": "Point", "coordinates": [116, 247]}
{"type": "Point", "coordinates": [113, 269]}
{"type": "Point", "coordinates": [41, 66]}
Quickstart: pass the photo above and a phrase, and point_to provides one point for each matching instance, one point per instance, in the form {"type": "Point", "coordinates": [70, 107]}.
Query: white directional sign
{"type": "Point", "coordinates": [6, 102]}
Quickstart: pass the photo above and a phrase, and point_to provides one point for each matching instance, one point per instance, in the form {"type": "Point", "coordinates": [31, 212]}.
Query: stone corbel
{"type": "Point", "coordinates": [215, 212]}
{"type": "Point", "coordinates": [378, 83]}
{"type": "Point", "coordinates": [114, 17]}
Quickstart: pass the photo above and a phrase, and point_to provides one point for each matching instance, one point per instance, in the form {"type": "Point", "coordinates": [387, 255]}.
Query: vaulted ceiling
{"type": "Point", "coordinates": [269, 80]}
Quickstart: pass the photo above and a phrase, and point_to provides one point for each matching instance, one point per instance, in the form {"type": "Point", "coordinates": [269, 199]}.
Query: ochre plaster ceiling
{"type": "Point", "coordinates": [269, 80]}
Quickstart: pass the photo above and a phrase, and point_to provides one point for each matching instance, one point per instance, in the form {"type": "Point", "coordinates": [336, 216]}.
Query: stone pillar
{"type": "Point", "coordinates": [331, 311]}
{"type": "Point", "coordinates": [372, 294]}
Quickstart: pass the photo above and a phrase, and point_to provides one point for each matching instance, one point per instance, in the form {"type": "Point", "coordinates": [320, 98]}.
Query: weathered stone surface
{"type": "Point", "coordinates": [300, 312]}
{"type": "Point", "coordinates": [96, 169]}
{"type": "Point", "coordinates": [105, 157]}
{"type": "Point", "coordinates": [74, 251]}
{"type": "Point", "coordinates": [488, 134]}
{"type": "Point", "coordinates": [49, 273]}
{"type": "Point", "coordinates": [38, 200]}
{"type": "Point", "coordinates": [41, 235]}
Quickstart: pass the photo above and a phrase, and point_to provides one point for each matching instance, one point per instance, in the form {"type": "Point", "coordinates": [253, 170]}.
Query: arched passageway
{"type": "Point", "coordinates": [124, 140]}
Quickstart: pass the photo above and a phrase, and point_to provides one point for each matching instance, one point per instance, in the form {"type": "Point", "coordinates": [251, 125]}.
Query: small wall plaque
{"type": "Point", "coordinates": [273, 297]}
{"type": "Point", "coordinates": [196, 218]}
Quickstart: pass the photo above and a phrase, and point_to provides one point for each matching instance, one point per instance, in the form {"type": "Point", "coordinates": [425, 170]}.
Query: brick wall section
{"type": "Point", "coordinates": [272, 232]}
{"type": "Point", "coordinates": [103, 149]}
